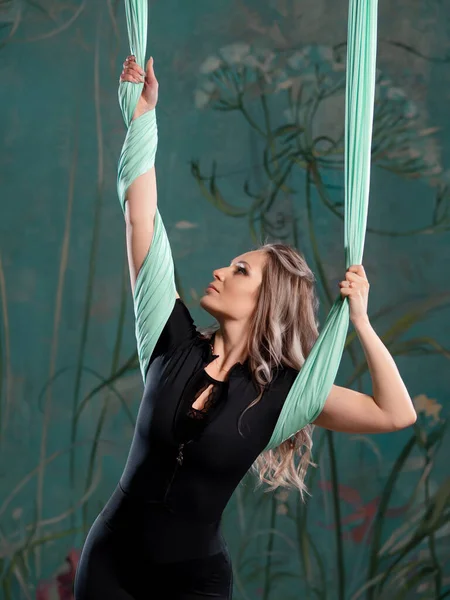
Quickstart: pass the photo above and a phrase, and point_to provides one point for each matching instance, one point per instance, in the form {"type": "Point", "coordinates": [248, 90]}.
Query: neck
{"type": "Point", "coordinates": [230, 343]}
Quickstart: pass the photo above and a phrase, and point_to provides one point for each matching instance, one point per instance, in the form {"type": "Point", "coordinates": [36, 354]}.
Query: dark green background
{"type": "Point", "coordinates": [379, 511]}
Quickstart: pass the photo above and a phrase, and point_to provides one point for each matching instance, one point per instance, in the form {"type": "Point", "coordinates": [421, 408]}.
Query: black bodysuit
{"type": "Point", "coordinates": [159, 534]}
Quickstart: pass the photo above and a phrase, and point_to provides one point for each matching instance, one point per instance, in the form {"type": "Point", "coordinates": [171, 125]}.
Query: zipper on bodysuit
{"type": "Point", "coordinates": [181, 446]}
{"type": "Point", "coordinates": [180, 456]}
{"type": "Point", "coordinates": [179, 459]}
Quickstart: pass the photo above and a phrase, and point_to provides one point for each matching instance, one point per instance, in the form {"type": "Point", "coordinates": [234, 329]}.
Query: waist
{"type": "Point", "coordinates": [162, 533]}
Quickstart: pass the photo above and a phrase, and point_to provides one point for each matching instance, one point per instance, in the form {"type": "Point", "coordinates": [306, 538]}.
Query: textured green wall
{"type": "Point", "coordinates": [377, 523]}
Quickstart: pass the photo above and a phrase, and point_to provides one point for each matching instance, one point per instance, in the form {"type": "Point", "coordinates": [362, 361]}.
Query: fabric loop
{"type": "Point", "coordinates": [313, 384]}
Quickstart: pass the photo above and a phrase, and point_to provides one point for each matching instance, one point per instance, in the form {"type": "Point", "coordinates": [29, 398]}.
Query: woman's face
{"type": "Point", "coordinates": [236, 288]}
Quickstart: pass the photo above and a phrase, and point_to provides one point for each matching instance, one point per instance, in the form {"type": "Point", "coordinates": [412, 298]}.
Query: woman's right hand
{"type": "Point", "coordinates": [133, 73]}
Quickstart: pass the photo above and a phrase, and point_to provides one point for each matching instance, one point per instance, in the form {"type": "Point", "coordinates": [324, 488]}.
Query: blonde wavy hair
{"type": "Point", "coordinates": [283, 330]}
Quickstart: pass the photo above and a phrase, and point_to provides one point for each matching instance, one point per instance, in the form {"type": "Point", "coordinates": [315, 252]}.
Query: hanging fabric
{"type": "Point", "coordinates": [313, 384]}
{"type": "Point", "coordinates": [154, 300]}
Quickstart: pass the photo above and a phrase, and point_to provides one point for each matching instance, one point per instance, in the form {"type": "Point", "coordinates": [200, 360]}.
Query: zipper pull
{"type": "Point", "coordinates": [180, 454]}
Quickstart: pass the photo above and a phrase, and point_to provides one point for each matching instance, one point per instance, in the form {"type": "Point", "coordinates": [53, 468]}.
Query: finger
{"type": "Point", "coordinates": [134, 73]}
{"type": "Point", "coordinates": [128, 74]}
{"type": "Point", "coordinates": [346, 292]}
{"type": "Point", "coordinates": [354, 277]}
{"type": "Point", "coordinates": [135, 70]}
{"type": "Point", "coordinates": [359, 269]}
{"type": "Point", "coordinates": [350, 290]}
{"type": "Point", "coordinates": [129, 77]}
{"type": "Point", "coordinates": [150, 72]}
{"type": "Point", "coordinates": [130, 60]}
{"type": "Point", "coordinates": [132, 66]}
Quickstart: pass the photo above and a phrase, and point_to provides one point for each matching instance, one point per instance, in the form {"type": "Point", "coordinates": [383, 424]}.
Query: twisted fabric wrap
{"type": "Point", "coordinates": [310, 390]}
{"type": "Point", "coordinates": [155, 292]}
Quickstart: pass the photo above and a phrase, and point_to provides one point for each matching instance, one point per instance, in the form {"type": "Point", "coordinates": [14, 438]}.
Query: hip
{"type": "Point", "coordinates": [159, 532]}
{"type": "Point", "coordinates": [111, 566]}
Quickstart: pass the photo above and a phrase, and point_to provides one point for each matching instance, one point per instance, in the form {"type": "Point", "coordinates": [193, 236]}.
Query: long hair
{"type": "Point", "coordinates": [282, 332]}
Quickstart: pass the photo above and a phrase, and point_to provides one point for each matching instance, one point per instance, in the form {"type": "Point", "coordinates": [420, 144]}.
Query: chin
{"type": "Point", "coordinates": [206, 304]}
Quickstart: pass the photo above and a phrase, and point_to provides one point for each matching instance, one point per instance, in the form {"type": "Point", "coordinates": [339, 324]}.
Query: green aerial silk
{"type": "Point", "coordinates": [310, 390]}
{"type": "Point", "coordinates": [155, 291]}
{"type": "Point", "coordinates": [154, 296]}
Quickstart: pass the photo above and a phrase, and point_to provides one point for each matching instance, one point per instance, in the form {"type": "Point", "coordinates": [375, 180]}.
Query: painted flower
{"type": "Point", "coordinates": [359, 522]}
{"type": "Point", "coordinates": [236, 68]}
{"type": "Point", "coordinates": [428, 407]}
{"type": "Point", "coordinates": [282, 497]}
{"type": "Point", "coordinates": [61, 587]}
{"type": "Point", "coordinates": [402, 141]}
{"type": "Point", "coordinates": [234, 54]}
{"type": "Point", "coordinates": [282, 509]}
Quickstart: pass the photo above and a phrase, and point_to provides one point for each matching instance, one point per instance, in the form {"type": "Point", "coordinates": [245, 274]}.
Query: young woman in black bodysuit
{"type": "Point", "coordinates": [159, 535]}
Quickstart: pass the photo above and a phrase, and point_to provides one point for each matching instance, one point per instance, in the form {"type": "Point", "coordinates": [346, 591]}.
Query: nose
{"type": "Point", "coordinates": [218, 274]}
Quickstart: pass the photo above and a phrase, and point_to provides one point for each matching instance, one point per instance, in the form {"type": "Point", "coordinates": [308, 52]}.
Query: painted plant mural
{"type": "Point", "coordinates": [265, 85]}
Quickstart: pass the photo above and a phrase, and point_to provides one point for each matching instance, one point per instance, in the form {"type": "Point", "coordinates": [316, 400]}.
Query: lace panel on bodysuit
{"type": "Point", "coordinates": [211, 400]}
{"type": "Point", "coordinates": [192, 421]}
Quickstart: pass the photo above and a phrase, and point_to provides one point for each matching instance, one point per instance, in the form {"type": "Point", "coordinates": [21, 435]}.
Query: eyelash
{"type": "Point", "coordinates": [241, 269]}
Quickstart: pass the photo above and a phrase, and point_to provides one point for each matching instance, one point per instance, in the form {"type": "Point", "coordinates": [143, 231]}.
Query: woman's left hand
{"type": "Point", "coordinates": [134, 73]}
{"type": "Point", "coordinates": [356, 288]}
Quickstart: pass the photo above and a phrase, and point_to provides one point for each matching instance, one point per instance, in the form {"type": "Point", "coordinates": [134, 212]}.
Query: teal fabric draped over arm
{"type": "Point", "coordinates": [311, 387]}
{"type": "Point", "coordinates": [154, 296]}
{"type": "Point", "coordinates": [155, 293]}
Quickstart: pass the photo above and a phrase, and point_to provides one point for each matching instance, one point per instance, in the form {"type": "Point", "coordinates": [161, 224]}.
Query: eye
{"type": "Point", "coordinates": [241, 269]}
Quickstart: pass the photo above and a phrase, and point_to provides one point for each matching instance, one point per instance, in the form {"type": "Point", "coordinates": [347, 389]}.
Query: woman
{"type": "Point", "coordinates": [209, 408]}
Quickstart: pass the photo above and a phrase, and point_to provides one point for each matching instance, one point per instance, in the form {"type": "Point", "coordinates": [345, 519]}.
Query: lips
{"type": "Point", "coordinates": [212, 287]}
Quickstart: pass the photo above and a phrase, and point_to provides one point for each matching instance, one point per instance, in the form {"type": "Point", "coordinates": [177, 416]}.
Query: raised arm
{"type": "Point", "coordinates": [152, 276]}
{"type": "Point", "coordinates": [141, 196]}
